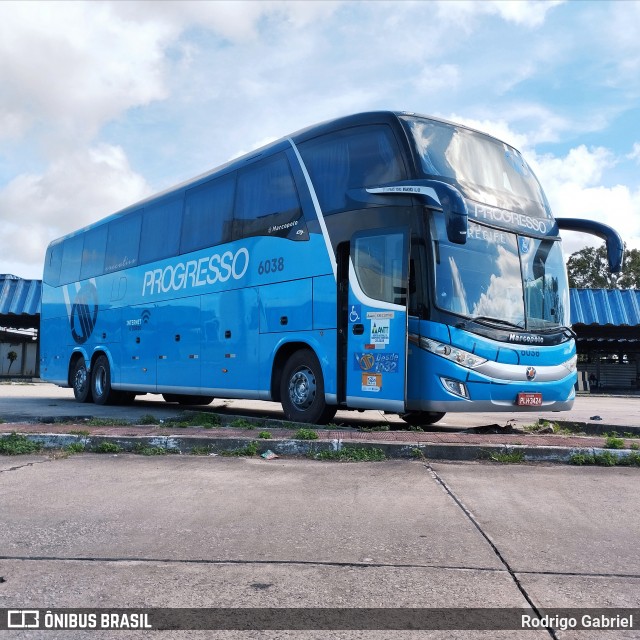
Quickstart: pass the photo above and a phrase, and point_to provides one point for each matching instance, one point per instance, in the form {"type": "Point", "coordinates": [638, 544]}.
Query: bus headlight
{"type": "Point", "coordinates": [459, 356]}
{"type": "Point", "coordinates": [456, 387]}
{"type": "Point", "coordinates": [571, 364]}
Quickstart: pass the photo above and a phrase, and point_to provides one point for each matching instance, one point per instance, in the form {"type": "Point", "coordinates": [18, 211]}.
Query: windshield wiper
{"type": "Point", "coordinates": [488, 321]}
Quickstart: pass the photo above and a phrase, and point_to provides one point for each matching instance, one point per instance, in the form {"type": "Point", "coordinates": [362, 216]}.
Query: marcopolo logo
{"type": "Point", "coordinates": [84, 313]}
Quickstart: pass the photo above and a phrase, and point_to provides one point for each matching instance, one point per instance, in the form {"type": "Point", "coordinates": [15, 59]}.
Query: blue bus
{"type": "Point", "coordinates": [383, 260]}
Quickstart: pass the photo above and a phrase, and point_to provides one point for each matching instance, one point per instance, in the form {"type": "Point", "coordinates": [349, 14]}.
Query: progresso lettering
{"type": "Point", "coordinates": [482, 212]}
{"type": "Point", "coordinates": [197, 273]}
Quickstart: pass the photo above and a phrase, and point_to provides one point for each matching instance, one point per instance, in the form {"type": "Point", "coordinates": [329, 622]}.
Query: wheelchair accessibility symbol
{"type": "Point", "coordinates": [355, 313]}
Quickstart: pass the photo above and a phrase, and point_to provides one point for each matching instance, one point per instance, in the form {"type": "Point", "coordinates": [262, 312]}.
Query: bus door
{"type": "Point", "coordinates": [376, 323]}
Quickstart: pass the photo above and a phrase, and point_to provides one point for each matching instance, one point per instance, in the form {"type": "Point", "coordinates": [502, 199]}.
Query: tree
{"type": "Point", "coordinates": [588, 269]}
{"type": "Point", "coordinates": [12, 356]}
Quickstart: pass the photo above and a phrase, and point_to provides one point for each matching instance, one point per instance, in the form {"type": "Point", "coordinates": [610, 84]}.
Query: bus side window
{"type": "Point", "coordinates": [52, 264]}
{"type": "Point", "coordinates": [351, 159]}
{"type": "Point", "coordinates": [123, 243]}
{"type": "Point", "coordinates": [160, 237]}
{"type": "Point", "coordinates": [71, 259]}
{"type": "Point", "coordinates": [208, 214]}
{"type": "Point", "coordinates": [268, 203]}
{"type": "Point", "coordinates": [95, 245]}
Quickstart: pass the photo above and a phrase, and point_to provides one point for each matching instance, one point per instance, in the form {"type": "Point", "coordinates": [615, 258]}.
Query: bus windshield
{"type": "Point", "coordinates": [502, 277]}
{"type": "Point", "coordinates": [489, 170]}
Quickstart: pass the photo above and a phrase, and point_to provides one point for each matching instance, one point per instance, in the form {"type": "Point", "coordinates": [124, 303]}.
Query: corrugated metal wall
{"type": "Point", "coordinates": [19, 297]}
{"type": "Point", "coordinates": [605, 306]}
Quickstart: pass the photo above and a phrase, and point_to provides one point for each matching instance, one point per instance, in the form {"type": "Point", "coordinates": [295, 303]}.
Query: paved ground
{"type": "Point", "coordinates": [201, 531]}
{"type": "Point", "coordinates": [132, 531]}
{"type": "Point", "coordinates": [28, 402]}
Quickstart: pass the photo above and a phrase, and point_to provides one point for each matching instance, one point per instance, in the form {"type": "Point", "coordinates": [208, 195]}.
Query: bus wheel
{"type": "Point", "coordinates": [419, 418]}
{"type": "Point", "coordinates": [101, 382]}
{"type": "Point", "coordinates": [302, 390]}
{"type": "Point", "coordinates": [81, 382]}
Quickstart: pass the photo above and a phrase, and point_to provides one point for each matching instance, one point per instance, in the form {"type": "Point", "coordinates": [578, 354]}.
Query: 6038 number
{"type": "Point", "coordinates": [271, 266]}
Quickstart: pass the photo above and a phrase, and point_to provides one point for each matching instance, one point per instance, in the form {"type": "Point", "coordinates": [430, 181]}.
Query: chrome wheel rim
{"type": "Point", "coordinates": [302, 388]}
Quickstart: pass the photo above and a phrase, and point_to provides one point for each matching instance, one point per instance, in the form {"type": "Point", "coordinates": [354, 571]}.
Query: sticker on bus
{"type": "Point", "coordinates": [372, 382]}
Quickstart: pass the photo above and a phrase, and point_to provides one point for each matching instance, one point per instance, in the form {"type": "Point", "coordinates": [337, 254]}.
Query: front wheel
{"type": "Point", "coordinates": [302, 390]}
{"type": "Point", "coordinates": [101, 382]}
{"type": "Point", "coordinates": [81, 382]}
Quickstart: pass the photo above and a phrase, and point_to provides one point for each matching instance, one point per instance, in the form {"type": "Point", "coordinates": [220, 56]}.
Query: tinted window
{"type": "Point", "coordinates": [380, 268]}
{"type": "Point", "coordinates": [71, 259]}
{"type": "Point", "coordinates": [95, 243]}
{"type": "Point", "coordinates": [122, 243]}
{"type": "Point", "coordinates": [161, 230]}
{"type": "Point", "coordinates": [267, 202]}
{"type": "Point", "coordinates": [351, 159]}
{"type": "Point", "coordinates": [208, 214]}
{"type": "Point", "coordinates": [52, 264]}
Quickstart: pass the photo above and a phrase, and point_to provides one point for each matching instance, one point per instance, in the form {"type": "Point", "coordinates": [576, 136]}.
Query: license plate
{"type": "Point", "coordinates": [529, 399]}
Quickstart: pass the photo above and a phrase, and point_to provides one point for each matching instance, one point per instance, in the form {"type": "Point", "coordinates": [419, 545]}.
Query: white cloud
{"type": "Point", "coordinates": [529, 13]}
{"type": "Point", "coordinates": [572, 185]}
{"type": "Point", "coordinates": [77, 65]}
{"type": "Point", "coordinates": [635, 153]}
{"type": "Point", "coordinates": [75, 190]}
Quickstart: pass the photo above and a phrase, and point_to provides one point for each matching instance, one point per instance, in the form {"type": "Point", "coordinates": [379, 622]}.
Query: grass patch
{"type": "Point", "coordinates": [351, 454]}
{"type": "Point", "coordinates": [148, 419]}
{"type": "Point", "coordinates": [416, 452]}
{"type": "Point", "coordinates": [265, 435]}
{"type": "Point", "coordinates": [107, 447]}
{"type": "Point", "coordinates": [614, 442]}
{"type": "Point", "coordinates": [106, 422]}
{"type": "Point", "coordinates": [75, 447]}
{"type": "Point", "coordinates": [635, 446]}
{"type": "Point", "coordinates": [305, 434]}
{"type": "Point", "coordinates": [147, 450]}
{"type": "Point", "coordinates": [249, 450]}
{"type": "Point", "coordinates": [83, 433]}
{"type": "Point", "coordinates": [242, 423]}
{"type": "Point", "coordinates": [204, 450]}
{"type": "Point", "coordinates": [507, 457]}
{"type": "Point", "coordinates": [205, 420]}
{"type": "Point", "coordinates": [16, 444]}
{"type": "Point", "coordinates": [606, 459]}
{"type": "Point", "coordinates": [377, 427]}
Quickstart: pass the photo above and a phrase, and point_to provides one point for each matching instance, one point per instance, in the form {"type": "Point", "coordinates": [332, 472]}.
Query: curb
{"type": "Point", "coordinates": [195, 445]}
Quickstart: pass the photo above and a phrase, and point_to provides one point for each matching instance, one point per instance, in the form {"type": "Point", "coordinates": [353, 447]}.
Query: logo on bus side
{"type": "Point", "coordinates": [84, 313]}
{"type": "Point", "coordinates": [197, 273]}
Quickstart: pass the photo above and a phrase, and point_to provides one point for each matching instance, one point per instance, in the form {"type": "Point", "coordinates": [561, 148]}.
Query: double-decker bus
{"type": "Point", "coordinates": [383, 260]}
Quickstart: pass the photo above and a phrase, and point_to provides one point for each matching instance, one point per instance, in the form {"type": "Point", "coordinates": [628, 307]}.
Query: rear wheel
{"type": "Point", "coordinates": [421, 418]}
{"type": "Point", "coordinates": [101, 382]}
{"type": "Point", "coordinates": [302, 390]}
{"type": "Point", "coordinates": [81, 382]}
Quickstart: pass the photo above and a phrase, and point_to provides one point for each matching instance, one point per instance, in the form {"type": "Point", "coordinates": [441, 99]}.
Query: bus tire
{"type": "Point", "coordinates": [81, 381]}
{"type": "Point", "coordinates": [302, 390]}
{"type": "Point", "coordinates": [101, 382]}
{"type": "Point", "coordinates": [420, 418]}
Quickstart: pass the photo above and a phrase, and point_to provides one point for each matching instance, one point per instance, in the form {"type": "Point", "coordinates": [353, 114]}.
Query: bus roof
{"type": "Point", "coordinates": [357, 119]}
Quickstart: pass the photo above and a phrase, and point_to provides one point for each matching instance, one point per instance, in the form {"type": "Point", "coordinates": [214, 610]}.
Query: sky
{"type": "Point", "coordinates": [105, 103]}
